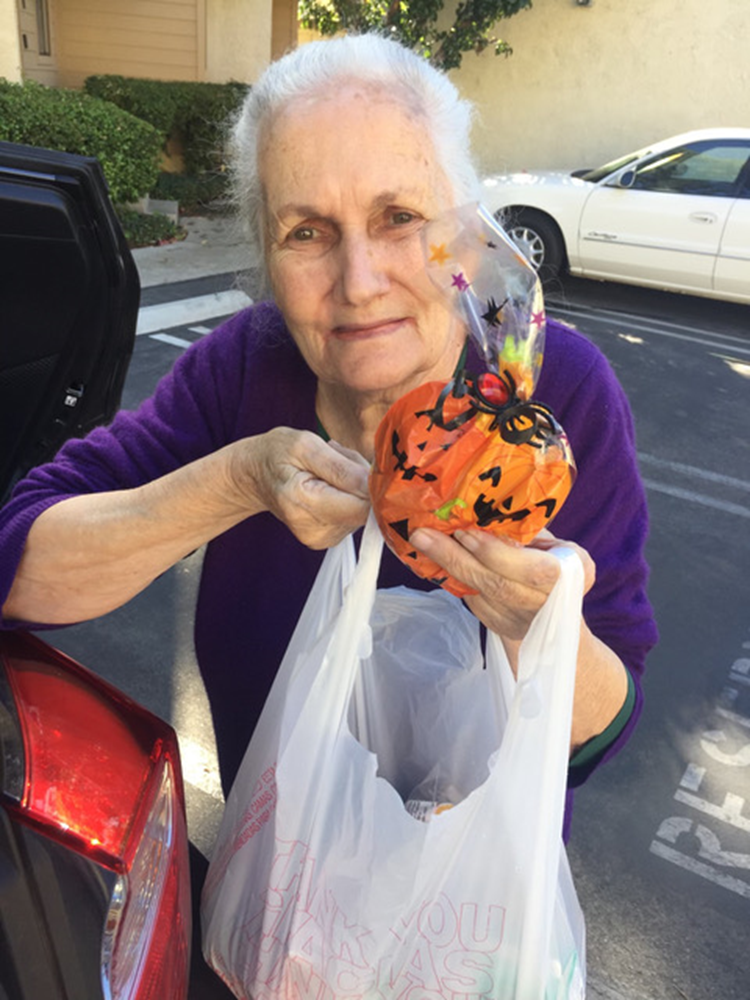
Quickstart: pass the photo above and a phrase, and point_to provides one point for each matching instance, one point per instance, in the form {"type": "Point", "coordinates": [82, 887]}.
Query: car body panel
{"type": "Point", "coordinates": [732, 271]}
{"type": "Point", "coordinates": [95, 844]}
{"type": "Point", "coordinates": [647, 236]}
{"type": "Point", "coordinates": [43, 952]}
{"type": "Point", "coordinates": [693, 238]}
{"type": "Point", "coordinates": [558, 195]}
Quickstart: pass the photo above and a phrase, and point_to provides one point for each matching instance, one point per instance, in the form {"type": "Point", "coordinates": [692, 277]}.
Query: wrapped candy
{"type": "Point", "coordinates": [478, 451]}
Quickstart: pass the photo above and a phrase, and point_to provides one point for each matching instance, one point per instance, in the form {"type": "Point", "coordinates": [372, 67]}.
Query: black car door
{"type": "Point", "coordinates": [69, 296]}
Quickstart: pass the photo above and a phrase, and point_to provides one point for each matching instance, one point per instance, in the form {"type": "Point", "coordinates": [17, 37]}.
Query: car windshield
{"type": "Point", "coordinates": [601, 172]}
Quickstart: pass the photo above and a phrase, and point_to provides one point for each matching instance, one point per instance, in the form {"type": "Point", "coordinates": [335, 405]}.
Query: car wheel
{"type": "Point", "coordinates": [538, 239]}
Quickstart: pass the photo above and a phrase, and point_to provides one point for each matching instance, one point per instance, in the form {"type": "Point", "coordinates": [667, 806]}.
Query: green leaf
{"type": "Point", "coordinates": [415, 24]}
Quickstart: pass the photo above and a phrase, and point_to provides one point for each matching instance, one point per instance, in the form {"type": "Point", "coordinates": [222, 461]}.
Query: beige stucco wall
{"type": "Point", "coordinates": [238, 39]}
{"type": "Point", "coordinates": [140, 38]}
{"type": "Point", "coordinates": [585, 84]}
{"type": "Point", "coordinates": [10, 51]}
{"type": "Point", "coordinates": [215, 40]}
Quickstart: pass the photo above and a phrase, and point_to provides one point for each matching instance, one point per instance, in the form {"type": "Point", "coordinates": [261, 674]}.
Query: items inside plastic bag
{"type": "Point", "coordinates": [422, 701]}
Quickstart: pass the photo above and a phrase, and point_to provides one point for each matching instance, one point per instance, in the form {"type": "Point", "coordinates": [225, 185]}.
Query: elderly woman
{"type": "Point", "coordinates": [258, 441]}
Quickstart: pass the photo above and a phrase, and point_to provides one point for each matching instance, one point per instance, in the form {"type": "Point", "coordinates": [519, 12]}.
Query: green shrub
{"type": "Point", "coordinates": [127, 147]}
{"type": "Point", "coordinates": [194, 112]}
{"type": "Point", "coordinates": [147, 230]}
{"type": "Point", "coordinates": [150, 100]}
{"type": "Point", "coordinates": [192, 191]}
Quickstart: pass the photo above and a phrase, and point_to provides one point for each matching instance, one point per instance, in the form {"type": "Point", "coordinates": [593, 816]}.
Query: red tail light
{"type": "Point", "coordinates": [102, 776]}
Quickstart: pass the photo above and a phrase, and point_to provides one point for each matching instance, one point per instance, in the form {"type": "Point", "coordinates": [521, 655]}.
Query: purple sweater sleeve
{"type": "Point", "coordinates": [177, 425]}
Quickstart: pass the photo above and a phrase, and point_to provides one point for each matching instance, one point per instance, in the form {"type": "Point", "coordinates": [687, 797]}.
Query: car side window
{"type": "Point", "coordinates": [704, 168]}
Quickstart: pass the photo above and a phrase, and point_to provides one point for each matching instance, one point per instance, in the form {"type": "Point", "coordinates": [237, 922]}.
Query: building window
{"type": "Point", "coordinates": [42, 26]}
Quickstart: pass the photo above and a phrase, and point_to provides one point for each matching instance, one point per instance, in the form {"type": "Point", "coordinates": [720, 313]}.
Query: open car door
{"type": "Point", "coordinates": [69, 299]}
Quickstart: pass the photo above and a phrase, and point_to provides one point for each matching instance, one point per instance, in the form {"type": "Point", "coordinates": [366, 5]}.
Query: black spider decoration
{"type": "Point", "coordinates": [519, 421]}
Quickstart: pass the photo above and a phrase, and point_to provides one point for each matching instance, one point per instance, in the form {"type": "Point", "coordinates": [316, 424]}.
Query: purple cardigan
{"type": "Point", "coordinates": [247, 377]}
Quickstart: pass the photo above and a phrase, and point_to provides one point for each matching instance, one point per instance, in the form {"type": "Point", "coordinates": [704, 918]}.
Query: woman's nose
{"type": "Point", "coordinates": [363, 269]}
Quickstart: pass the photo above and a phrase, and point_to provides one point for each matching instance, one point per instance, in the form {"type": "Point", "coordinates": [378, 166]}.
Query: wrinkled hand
{"type": "Point", "coordinates": [513, 581]}
{"type": "Point", "coordinates": [317, 488]}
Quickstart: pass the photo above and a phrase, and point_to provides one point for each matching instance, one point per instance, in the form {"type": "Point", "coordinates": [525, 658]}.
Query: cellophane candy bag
{"type": "Point", "coordinates": [478, 451]}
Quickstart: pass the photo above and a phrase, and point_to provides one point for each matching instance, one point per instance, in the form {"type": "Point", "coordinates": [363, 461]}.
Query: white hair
{"type": "Point", "coordinates": [318, 67]}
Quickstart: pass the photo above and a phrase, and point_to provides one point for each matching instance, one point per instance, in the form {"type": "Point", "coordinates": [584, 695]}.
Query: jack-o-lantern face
{"type": "Point", "coordinates": [468, 454]}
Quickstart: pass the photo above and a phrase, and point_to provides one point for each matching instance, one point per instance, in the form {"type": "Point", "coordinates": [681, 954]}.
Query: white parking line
{"type": "Point", "coordinates": [168, 338]}
{"type": "Point", "coordinates": [166, 315]}
{"type": "Point", "coordinates": [700, 867]}
{"type": "Point", "coordinates": [700, 498]}
{"type": "Point", "coordinates": [693, 472]}
{"type": "Point", "coordinates": [661, 328]}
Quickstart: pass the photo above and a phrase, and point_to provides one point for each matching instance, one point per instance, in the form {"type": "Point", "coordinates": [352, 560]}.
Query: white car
{"type": "Point", "coordinates": [674, 215]}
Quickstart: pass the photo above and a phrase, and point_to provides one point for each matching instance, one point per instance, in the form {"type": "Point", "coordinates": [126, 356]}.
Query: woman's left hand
{"type": "Point", "coordinates": [513, 581]}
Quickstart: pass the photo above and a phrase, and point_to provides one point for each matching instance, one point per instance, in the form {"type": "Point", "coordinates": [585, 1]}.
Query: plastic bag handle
{"type": "Point", "coordinates": [551, 646]}
{"type": "Point", "coordinates": [351, 633]}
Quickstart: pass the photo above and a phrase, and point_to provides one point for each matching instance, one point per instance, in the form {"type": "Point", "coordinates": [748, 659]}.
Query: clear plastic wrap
{"type": "Point", "coordinates": [479, 450]}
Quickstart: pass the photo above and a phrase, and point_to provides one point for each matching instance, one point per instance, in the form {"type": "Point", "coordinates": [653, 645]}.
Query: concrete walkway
{"type": "Point", "coordinates": [213, 245]}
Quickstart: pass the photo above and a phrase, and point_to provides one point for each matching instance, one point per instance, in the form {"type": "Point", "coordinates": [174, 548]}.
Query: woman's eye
{"type": "Point", "coordinates": [303, 234]}
{"type": "Point", "coordinates": [402, 218]}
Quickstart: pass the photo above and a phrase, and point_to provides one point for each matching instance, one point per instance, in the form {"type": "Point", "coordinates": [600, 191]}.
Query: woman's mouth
{"type": "Point", "coordinates": [366, 331]}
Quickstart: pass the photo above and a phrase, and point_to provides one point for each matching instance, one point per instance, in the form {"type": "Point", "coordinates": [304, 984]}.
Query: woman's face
{"type": "Point", "coordinates": [349, 182]}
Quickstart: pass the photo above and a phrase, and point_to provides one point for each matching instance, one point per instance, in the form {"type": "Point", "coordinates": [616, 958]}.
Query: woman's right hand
{"type": "Point", "coordinates": [318, 489]}
{"type": "Point", "coordinates": [89, 554]}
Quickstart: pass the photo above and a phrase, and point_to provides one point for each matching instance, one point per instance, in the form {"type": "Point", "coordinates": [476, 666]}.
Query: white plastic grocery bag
{"type": "Point", "coordinates": [323, 886]}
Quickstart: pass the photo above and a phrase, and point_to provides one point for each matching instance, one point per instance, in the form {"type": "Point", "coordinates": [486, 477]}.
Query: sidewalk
{"type": "Point", "coordinates": [213, 245]}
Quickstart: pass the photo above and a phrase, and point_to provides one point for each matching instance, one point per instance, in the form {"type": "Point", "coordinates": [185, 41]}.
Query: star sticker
{"type": "Point", "coordinates": [438, 254]}
{"type": "Point", "coordinates": [459, 282]}
{"type": "Point", "coordinates": [493, 316]}
{"type": "Point", "coordinates": [537, 319]}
